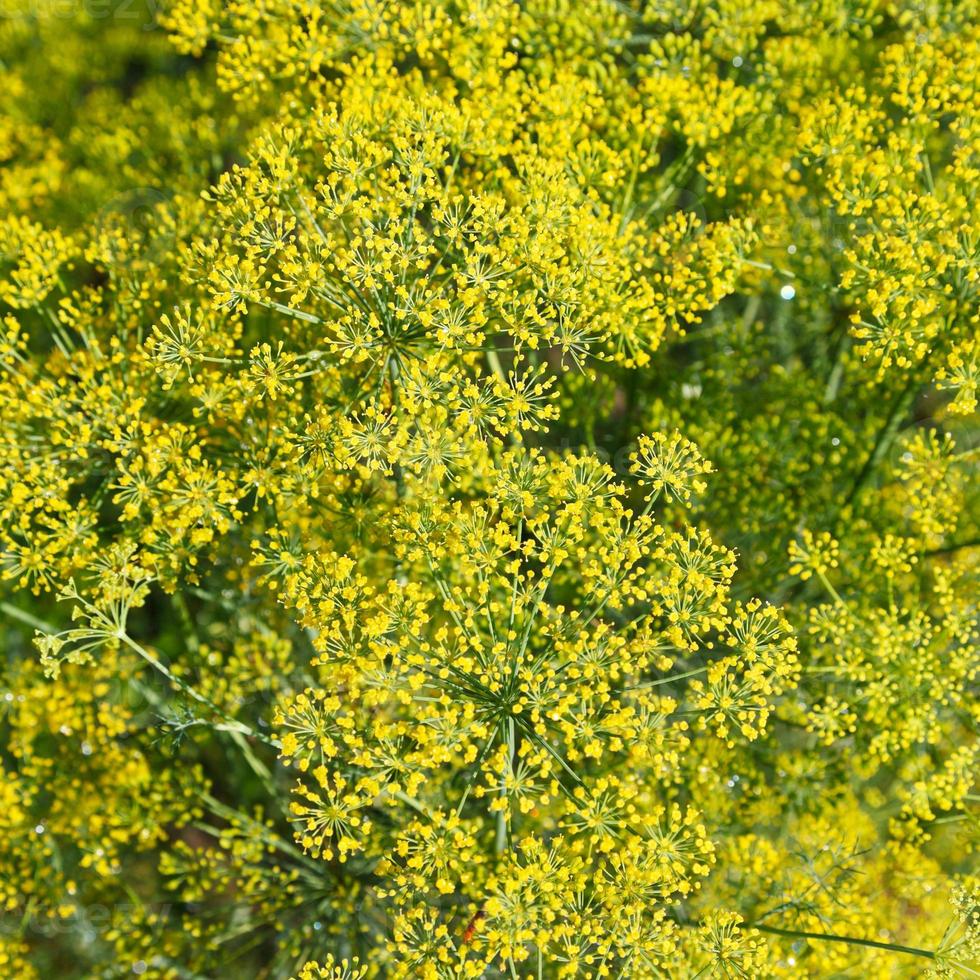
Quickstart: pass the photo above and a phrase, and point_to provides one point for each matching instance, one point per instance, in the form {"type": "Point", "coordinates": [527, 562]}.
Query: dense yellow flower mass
{"type": "Point", "coordinates": [488, 489]}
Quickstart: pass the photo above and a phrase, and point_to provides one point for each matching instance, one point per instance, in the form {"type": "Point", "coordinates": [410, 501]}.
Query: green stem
{"type": "Point", "coordinates": [289, 311]}
{"type": "Point", "coordinates": [883, 440]}
{"type": "Point", "coordinates": [667, 680]}
{"type": "Point", "coordinates": [834, 594]}
{"type": "Point", "coordinates": [850, 940]}
{"type": "Point", "coordinates": [230, 724]}
{"type": "Point", "coordinates": [946, 550]}
{"type": "Point", "coordinates": [494, 361]}
{"type": "Point", "coordinates": [500, 844]}
{"type": "Point", "coordinates": [24, 617]}
{"type": "Point", "coordinates": [280, 843]}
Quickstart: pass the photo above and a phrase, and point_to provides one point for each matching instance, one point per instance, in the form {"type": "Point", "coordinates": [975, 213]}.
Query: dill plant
{"type": "Point", "coordinates": [489, 489]}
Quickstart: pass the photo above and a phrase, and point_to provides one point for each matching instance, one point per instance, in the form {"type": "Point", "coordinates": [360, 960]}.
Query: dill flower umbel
{"type": "Point", "coordinates": [369, 605]}
{"type": "Point", "coordinates": [671, 465]}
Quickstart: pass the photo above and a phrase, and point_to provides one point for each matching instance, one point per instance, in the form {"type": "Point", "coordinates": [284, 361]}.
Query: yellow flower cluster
{"type": "Point", "coordinates": [488, 489]}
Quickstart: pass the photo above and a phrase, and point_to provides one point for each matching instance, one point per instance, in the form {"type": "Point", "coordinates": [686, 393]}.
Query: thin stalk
{"type": "Point", "coordinates": [289, 311]}
{"type": "Point", "coordinates": [230, 724]}
{"type": "Point", "coordinates": [500, 845]}
{"type": "Point", "coordinates": [667, 680]}
{"type": "Point", "coordinates": [831, 591]}
{"type": "Point", "coordinates": [25, 617]}
{"type": "Point", "coordinates": [850, 940]}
